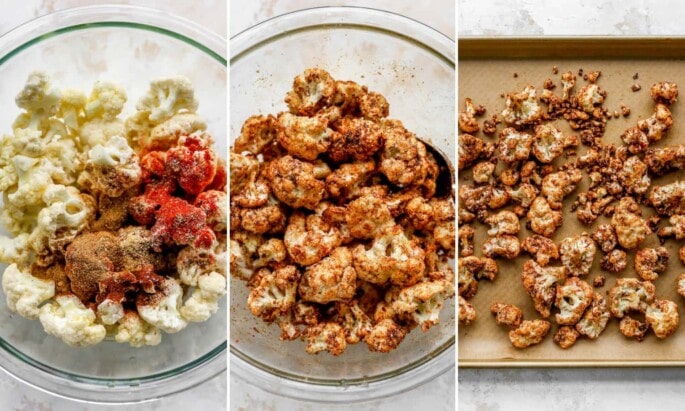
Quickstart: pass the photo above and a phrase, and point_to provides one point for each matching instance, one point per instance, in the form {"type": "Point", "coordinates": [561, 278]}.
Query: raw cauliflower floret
{"type": "Point", "coordinates": [296, 183]}
{"type": "Point", "coordinates": [308, 239]}
{"type": "Point", "coordinates": [514, 145]}
{"type": "Point", "coordinates": [522, 108]}
{"type": "Point", "coordinates": [68, 319]}
{"type": "Point", "coordinates": [631, 229]}
{"type": "Point", "coordinates": [133, 330]}
{"type": "Point", "coordinates": [311, 91]}
{"type": "Point", "coordinates": [661, 160]}
{"type": "Point", "coordinates": [664, 92]}
{"type": "Point", "coordinates": [385, 336]}
{"type": "Point", "coordinates": [549, 143]}
{"type": "Point", "coordinates": [162, 309]}
{"type": "Point", "coordinates": [572, 298]}
{"type": "Point", "coordinates": [506, 246]}
{"type": "Point", "coordinates": [595, 318]}
{"type": "Point", "coordinates": [471, 149]}
{"type": "Point", "coordinates": [529, 333]}
{"type": "Point", "coordinates": [71, 108]}
{"type": "Point", "coordinates": [325, 337]}
{"type": "Point", "coordinates": [630, 294]}
{"type": "Point", "coordinates": [668, 199]}
{"type": "Point", "coordinates": [422, 302]}
{"type": "Point", "coordinates": [542, 219]}
{"type": "Point", "coordinates": [577, 254]}
{"type": "Point", "coordinates": [467, 118]}
{"type": "Point", "coordinates": [541, 248]}
{"type": "Point", "coordinates": [100, 131]}
{"type": "Point", "coordinates": [15, 250]}
{"type": "Point", "coordinates": [106, 101]}
{"type": "Point", "coordinates": [204, 301]}
{"type": "Point", "coordinates": [649, 262]}
{"type": "Point", "coordinates": [111, 169]}
{"type": "Point", "coordinates": [662, 316]}
{"type": "Point", "coordinates": [590, 96]}
{"type": "Point", "coordinates": [275, 293]}
{"type": "Point", "coordinates": [507, 314]}
{"type": "Point", "coordinates": [39, 98]}
{"type": "Point", "coordinates": [166, 97]}
{"type": "Point", "coordinates": [566, 336]}
{"type": "Point", "coordinates": [558, 185]}
{"type": "Point", "coordinates": [25, 292]}
{"type": "Point", "coordinates": [467, 312]}
{"type": "Point", "coordinates": [504, 222]}
{"type": "Point", "coordinates": [165, 135]}
{"type": "Point", "coordinates": [306, 137]}
{"type": "Point", "coordinates": [331, 279]}
{"type": "Point", "coordinates": [540, 283]}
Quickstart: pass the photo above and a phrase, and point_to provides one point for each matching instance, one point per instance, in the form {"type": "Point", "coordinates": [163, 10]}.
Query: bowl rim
{"type": "Point", "coordinates": [431, 365]}
{"type": "Point", "coordinates": [58, 382]}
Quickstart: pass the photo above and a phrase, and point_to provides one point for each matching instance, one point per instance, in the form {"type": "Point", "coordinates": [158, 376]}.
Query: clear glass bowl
{"type": "Point", "coordinates": [413, 66]}
{"type": "Point", "coordinates": [130, 46]}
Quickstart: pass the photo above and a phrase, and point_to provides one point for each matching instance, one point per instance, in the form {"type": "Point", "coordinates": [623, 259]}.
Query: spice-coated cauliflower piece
{"type": "Point", "coordinates": [204, 301]}
{"type": "Point", "coordinates": [404, 159]}
{"type": "Point", "coordinates": [529, 333]}
{"type": "Point", "coordinates": [605, 237]}
{"type": "Point", "coordinates": [422, 302]}
{"type": "Point", "coordinates": [192, 162]}
{"type": "Point", "coordinates": [471, 149]}
{"type": "Point", "coordinates": [680, 285]}
{"type": "Point", "coordinates": [590, 96]}
{"type": "Point", "coordinates": [244, 248]}
{"type": "Point", "coordinates": [373, 106]}
{"type": "Point", "coordinates": [595, 318]}
{"type": "Point", "coordinates": [523, 195]}
{"type": "Point", "coordinates": [541, 248]}
{"type": "Point", "coordinates": [649, 262]}
{"type": "Point", "coordinates": [163, 308]}
{"type": "Point", "coordinates": [478, 199]}
{"type": "Point", "coordinates": [662, 316]}
{"type": "Point", "coordinates": [577, 254]}
{"type": "Point", "coordinates": [549, 143]}
{"type": "Point", "coordinates": [467, 313]}
{"type": "Point", "coordinates": [331, 279]}
{"type": "Point", "coordinates": [466, 234]}
{"type": "Point", "coordinates": [614, 261]}
{"type": "Point", "coordinates": [266, 219]}
{"type": "Point", "coordinates": [312, 90]}
{"type": "Point", "coordinates": [507, 314]}
{"type": "Point", "coordinates": [482, 172]}
{"type": "Point", "coordinates": [661, 160]}
{"type": "Point", "coordinates": [540, 283]}
{"type": "Point", "coordinates": [676, 227]}
{"type": "Point", "coordinates": [106, 101]}
{"type": "Point", "coordinates": [385, 336]}
{"type": "Point", "coordinates": [214, 203]}
{"type": "Point", "coordinates": [506, 246]}
{"type": "Point", "coordinates": [558, 185]}
{"type": "Point", "coordinates": [133, 330]}
{"type": "Point", "coordinates": [166, 135]}
{"type": "Point", "coordinates": [631, 229]}
{"type": "Point", "coordinates": [634, 176]}
{"type": "Point", "coordinates": [354, 320]}
{"type": "Point", "coordinates": [348, 179]}
{"type": "Point", "coordinates": [24, 292]}
{"type": "Point", "coordinates": [542, 218]}
{"type": "Point", "coordinates": [668, 199]}
{"type": "Point", "coordinates": [522, 108]}
{"type": "Point", "coordinates": [664, 92]}
{"type": "Point", "coordinates": [111, 169]}
{"type": "Point", "coordinates": [566, 336]}
{"type": "Point", "coordinates": [568, 81]}
{"type": "Point", "coordinates": [367, 216]}
{"type": "Point", "coordinates": [649, 130]}
{"type": "Point", "coordinates": [275, 294]}
{"type": "Point", "coordinates": [306, 137]}
{"type": "Point", "coordinates": [257, 133]}
{"type": "Point", "coordinates": [308, 239]}
{"type": "Point", "coordinates": [514, 145]}
{"type": "Point", "coordinates": [632, 328]}
{"type": "Point", "coordinates": [630, 294]}
{"type": "Point", "coordinates": [166, 97]}
{"type": "Point", "coordinates": [572, 298]}
{"type": "Point", "coordinates": [355, 139]}
{"type": "Point", "coordinates": [295, 182]}
{"type": "Point", "coordinates": [468, 269]}
{"type": "Point", "coordinates": [327, 336]}
{"type": "Point", "coordinates": [504, 222]}
{"type": "Point", "coordinates": [467, 118]}
{"type": "Point", "coordinates": [68, 319]}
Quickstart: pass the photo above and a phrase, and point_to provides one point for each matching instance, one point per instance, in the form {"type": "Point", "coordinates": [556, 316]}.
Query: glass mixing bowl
{"type": "Point", "coordinates": [413, 66]}
{"type": "Point", "coordinates": [130, 46]}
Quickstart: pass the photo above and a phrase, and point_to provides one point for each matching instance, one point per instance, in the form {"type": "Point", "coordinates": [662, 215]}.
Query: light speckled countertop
{"type": "Point", "coordinates": [17, 396]}
{"type": "Point", "coordinates": [570, 389]}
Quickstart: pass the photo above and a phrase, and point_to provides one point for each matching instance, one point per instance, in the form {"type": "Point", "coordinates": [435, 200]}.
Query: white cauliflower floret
{"type": "Point", "coordinates": [577, 254]}
{"type": "Point", "coordinates": [15, 249]}
{"type": "Point", "coordinates": [589, 97]}
{"type": "Point", "coordinates": [331, 279]}
{"type": "Point", "coordinates": [25, 292]}
{"type": "Point", "coordinates": [106, 101]}
{"type": "Point", "coordinates": [165, 135]}
{"type": "Point", "coordinates": [71, 108]}
{"type": "Point", "coordinates": [136, 332]}
{"type": "Point", "coordinates": [522, 108]}
{"type": "Point", "coordinates": [33, 178]}
{"type": "Point", "coordinates": [110, 311]}
{"type": "Point", "coordinates": [168, 96]}
{"type": "Point", "coordinates": [595, 318]}
{"type": "Point", "coordinates": [111, 169]}
{"type": "Point", "coordinates": [39, 98]}
{"type": "Point", "coordinates": [99, 131]}
{"type": "Point", "coordinates": [422, 302]}
{"type": "Point", "coordinates": [275, 293]}
{"type": "Point", "coordinates": [162, 309]}
{"type": "Point", "coordinates": [205, 299]}
{"type": "Point", "coordinates": [68, 319]}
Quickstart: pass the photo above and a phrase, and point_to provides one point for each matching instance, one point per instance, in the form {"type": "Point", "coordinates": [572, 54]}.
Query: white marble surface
{"type": "Point", "coordinates": [579, 389]}
{"type": "Point", "coordinates": [16, 395]}
{"type": "Point", "coordinates": [437, 395]}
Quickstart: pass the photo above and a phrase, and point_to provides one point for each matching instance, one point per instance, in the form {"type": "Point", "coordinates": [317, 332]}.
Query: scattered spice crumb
{"type": "Point", "coordinates": [549, 84]}
{"type": "Point", "coordinates": [516, 75]}
{"type": "Point", "coordinates": [555, 70]}
{"type": "Point", "coordinates": [598, 281]}
{"type": "Point", "coordinates": [625, 110]}
{"type": "Point", "coordinates": [636, 87]}
{"type": "Point", "coordinates": [580, 72]}
{"type": "Point", "coordinates": [616, 113]}
{"type": "Point", "coordinates": [592, 76]}
{"type": "Point", "coordinates": [635, 76]}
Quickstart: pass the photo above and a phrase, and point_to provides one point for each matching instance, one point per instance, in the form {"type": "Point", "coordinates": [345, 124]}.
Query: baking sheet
{"type": "Point", "coordinates": [488, 68]}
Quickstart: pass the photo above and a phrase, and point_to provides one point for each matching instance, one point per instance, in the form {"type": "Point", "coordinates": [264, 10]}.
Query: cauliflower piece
{"type": "Point", "coordinates": [676, 228]}
{"type": "Point", "coordinates": [507, 314]}
{"type": "Point", "coordinates": [514, 145]}
{"type": "Point", "coordinates": [668, 199]}
{"type": "Point", "coordinates": [331, 279]}
{"type": "Point", "coordinates": [163, 308]}
{"type": "Point", "coordinates": [467, 118]}
{"type": "Point", "coordinates": [106, 101]}
{"type": "Point", "coordinates": [614, 261]}
{"type": "Point", "coordinates": [244, 170]}
{"type": "Point", "coordinates": [307, 137]}
{"type": "Point", "coordinates": [631, 229]}
{"type": "Point", "coordinates": [680, 285]}
{"type": "Point", "coordinates": [634, 176]}
{"type": "Point", "coordinates": [346, 181]}
{"type": "Point", "coordinates": [541, 248]}
{"type": "Point", "coordinates": [309, 239]}
{"type": "Point", "coordinates": [355, 139]}
{"type": "Point", "coordinates": [558, 185]}
{"type": "Point", "coordinates": [354, 320]}
{"type": "Point", "coordinates": [633, 328]}
{"type": "Point", "coordinates": [471, 149]}
{"type": "Point", "coordinates": [294, 182]}
{"type": "Point", "coordinates": [258, 132]}
{"type": "Point", "coordinates": [69, 320]}
{"type": "Point", "coordinates": [566, 336]}
{"type": "Point", "coordinates": [504, 222]}
{"type": "Point", "coordinates": [630, 294]}
{"type": "Point", "coordinates": [506, 246]}
{"type": "Point", "coordinates": [266, 219]}
{"type": "Point", "coordinates": [572, 298]}
{"type": "Point", "coordinates": [275, 293]}
{"type": "Point", "coordinates": [649, 130]}
{"type": "Point", "coordinates": [662, 316]}
{"type": "Point", "coordinates": [15, 250]}
{"type": "Point", "coordinates": [595, 318]}
{"type": "Point", "coordinates": [204, 301]}
{"type": "Point", "coordinates": [549, 143]}
{"type": "Point", "coordinates": [605, 237]}
{"type": "Point", "coordinates": [39, 98]}
{"type": "Point", "coordinates": [25, 292]}
{"type": "Point", "coordinates": [100, 131]}
{"type": "Point", "coordinates": [244, 248]}
{"type": "Point", "coordinates": [661, 160]}
{"type": "Point", "coordinates": [385, 336]}
{"type": "Point", "coordinates": [312, 90]}
{"type": "Point", "coordinates": [133, 330]}
{"type": "Point", "coordinates": [482, 172]}
{"type": "Point", "coordinates": [529, 333]}
{"type": "Point", "coordinates": [568, 81]}
{"type": "Point", "coordinates": [368, 216]}
{"type": "Point", "coordinates": [577, 254]}
{"type": "Point", "coordinates": [71, 108]}
{"type": "Point", "coordinates": [468, 269]}
{"type": "Point", "coordinates": [325, 337]}
{"type": "Point", "coordinates": [509, 177]}
{"type": "Point", "coordinates": [214, 204]}
{"type": "Point", "coordinates": [373, 106]}
{"type": "Point", "coordinates": [193, 163]}
{"type": "Point", "coordinates": [649, 262]}
{"type": "Point", "coordinates": [664, 92]}
{"type": "Point", "coordinates": [523, 195]}
{"type": "Point", "coordinates": [542, 219]}
{"type": "Point", "coordinates": [540, 283]}
{"type": "Point", "coordinates": [166, 134]}
{"type": "Point", "coordinates": [166, 97]}
{"type": "Point", "coordinates": [404, 159]}
{"type": "Point", "coordinates": [590, 96]}
{"type": "Point", "coordinates": [466, 234]}
{"type": "Point", "coordinates": [467, 313]}
{"type": "Point", "coordinates": [422, 302]}
{"type": "Point", "coordinates": [522, 109]}
{"type": "Point", "coordinates": [111, 169]}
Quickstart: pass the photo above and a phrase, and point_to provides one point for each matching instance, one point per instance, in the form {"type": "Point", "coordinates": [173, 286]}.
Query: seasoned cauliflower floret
{"type": "Point", "coordinates": [605, 237]}
{"type": "Point", "coordinates": [258, 132]}
{"type": "Point", "coordinates": [309, 239]}
{"type": "Point", "coordinates": [367, 216]}
{"type": "Point", "coordinates": [664, 92]}
{"type": "Point", "coordinates": [331, 279]}
{"type": "Point", "coordinates": [467, 313]}
{"type": "Point", "coordinates": [133, 330]}
{"type": "Point", "coordinates": [595, 319]}
{"type": "Point", "coordinates": [325, 337]}
{"type": "Point", "coordinates": [482, 172]}
{"type": "Point", "coordinates": [166, 97]}
{"type": "Point", "coordinates": [422, 302]}
{"type": "Point", "coordinates": [467, 118]}
{"type": "Point", "coordinates": [514, 145]}
{"type": "Point", "coordinates": [558, 185]}
{"type": "Point", "coordinates": [680, 285]}
{"type": "Point", "coordinates": [668, 199]}
{"type": "Point", "coordinates": [549, 143]}
{"type": "Point", "coordinates": [542, 219]}
{"type": "Point", "coordinates": [354, 320]}
{"type": "Point", "coordinates": [661, 160]}
{"type": "Point", "coordinates": [25, 292]}
{"type": "Point", "coordinates": [404, 159]}
{"type": "Point", "coordinates": [204, 301]}
{"type": "Point", "coordinates": [295, 183]}
{"type": "Point", "coordinates": [572, 298]}
{"type": "Point", "coordinates": [522, 108]}
{"type": "Point", "coordinates": [163, 308]}
{"type": "Point", "coordinates": [355, 139]}
{"type": "Point", "coordinates": [634, 176]}
{"type": "Point", "coordinates": [471, 149]}
{"type": "Point", "coordinates": [466, 234]}
{"type": "Point", "coordinates": [504, 222]}
{"type": "Point", "coordinates": [632, 328]}
{"type": "Point", "coordinates": [649, 262]}
{"type": "Point", "coordinates": [506, 246]}
{"type": "Point", "coordinates": [630, 294]}
{"type": "Point", "coordinates": [614, 261]}
{"type": "Point", "coordinates": [662, 316]}
{"type": "Point", "coordinates": [166, 135]}
{"type": "Point", "coordinates": [507, 314]}
{"type": "Point", "coordinates": [306, 137]}
{"type": "Point", "coordinates": [590, 96]}
{"type": "Point", "coordinates": [111, 169]}
{"type": "Point", "coordinates": [566, 336]}
{"type": "Point", "coordinates": [541, 248]}
{"type": "Point", "coordinates": [577, 254]}
{"type": "Point", "coordinates": [676, 228]}
{"type": "Point", "coordinates": [275, 293]}
{"type": "Point", "coordinates": [346, 181]}
{"type": "Point", "coordinates": [68, 319]}
{"type": "Point", "coordinates": [541, 283]}
{"type": "Point", "coordinates": [649, 130]}
{"type": "Point", "coordinates": [385, 336]}
{"type": "Point", "coordinates": [312, 90]}
{"type": "Point", "coordinates": [631, 229]}
{"type": "Point", "coordinates": [529, 333]}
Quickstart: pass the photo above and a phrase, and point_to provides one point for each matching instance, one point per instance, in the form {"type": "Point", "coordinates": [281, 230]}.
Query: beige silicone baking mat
{"type": "Point", "coordinates": [488, 68]}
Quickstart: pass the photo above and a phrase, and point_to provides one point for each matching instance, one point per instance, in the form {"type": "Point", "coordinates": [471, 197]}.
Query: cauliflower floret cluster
{"type": "Point", "coordinates": [356, 245]}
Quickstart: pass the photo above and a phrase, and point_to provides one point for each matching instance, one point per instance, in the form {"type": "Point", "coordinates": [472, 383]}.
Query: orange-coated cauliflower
{"type": "Point", "coordinates": [514, 145]}
{"type": "Point", "coordinates": [541, 248]}
{"type": "Point", "coordinates": [346, 181]}
{"type": "Point", "coordinates": [331, 279]}
{"type": "Point", "coordinates": [326, 336]}
{"type": "Point", "coordinates": [404, 159]}
{"type": "Point", "coordinates": [257, 133]}
{"type": "Point", "coordinates": [649, 130]}
{"type": "Point", "coordinates": [649, 262]}
{"type": "Point", "coordinates": [540, 283]}
{"type": "Point", "coordinates": [529, 333]}
{"type": "Point", "coordinates": [367, 216]}
{"type": "Point", "coordinates": [467, 118]}
{"type": "Point", "coordinates": [355, 139]}
{"type": "Point", "coordinates": [572, 298]}
{"type": "Point", "coordinates": [296, 183]}
{"type": "Point", "coordinates": [522, 108]}
{"type": "Point", "coordinates": [467, 313]}
{"type": "Point", "coordinates": [566, 336]}
{"type": "Point", "coordinates": [577, 254]}
{"type": "Point", "coordinates": [558, 185]}
{"type": "Point", "coordinates": [421, 303]}
{"type": "Point", "coordinates": [275, 293]}
{"type": "Point", "coordinates": [549, 143]}
{"type": "Point", "coordinates": [675, 229]}
{"type": "Point", "coordinates": [605, 237]}
{"type": "Point", "coordinates": [661, 160]}
{"type": "Point", "coordinates": [306, 137]}
{"type": "Point", "coordinates": [506, 246]}
{"type": "Point", "coordinates": [634, 176]}
{"type": "Point", "coordinates": [662, 317]}
{"type": "Point", "coordinates": [466, 234]}
{"type": "Point", "coordinates": [308, 239]}
{"type": "Point", "coordinates": [589, 97]}
{"type": "Point", "coordinates": [354, 320]}
{"type": "Point", "coordinates": [595, 319]}
{"type": "Point", "coordinates": [630, 294]}
{"type": "Point", "coordinates": [668, 199]}
{"type": "Point", "coordinates": [664, 92]}
{"type": "Point", "coordinates": [507, 314]}
{"type": "Point", "coordinates": [631, 229]}
{"type": "Point", "coordinates": [504, 222]}
{"type": "Point", "coordinates": [632, 328]}
{"type": "Point", "coordinates": [385, 336]}
{"type": "Point", "coordinates": [614, 261]}
{"type": "Point", "coordinates": [471, 149]}
{"type": "Point", "coordinates": [542, 219]}
{"type": "Point", "coordinates": [311, 91]}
